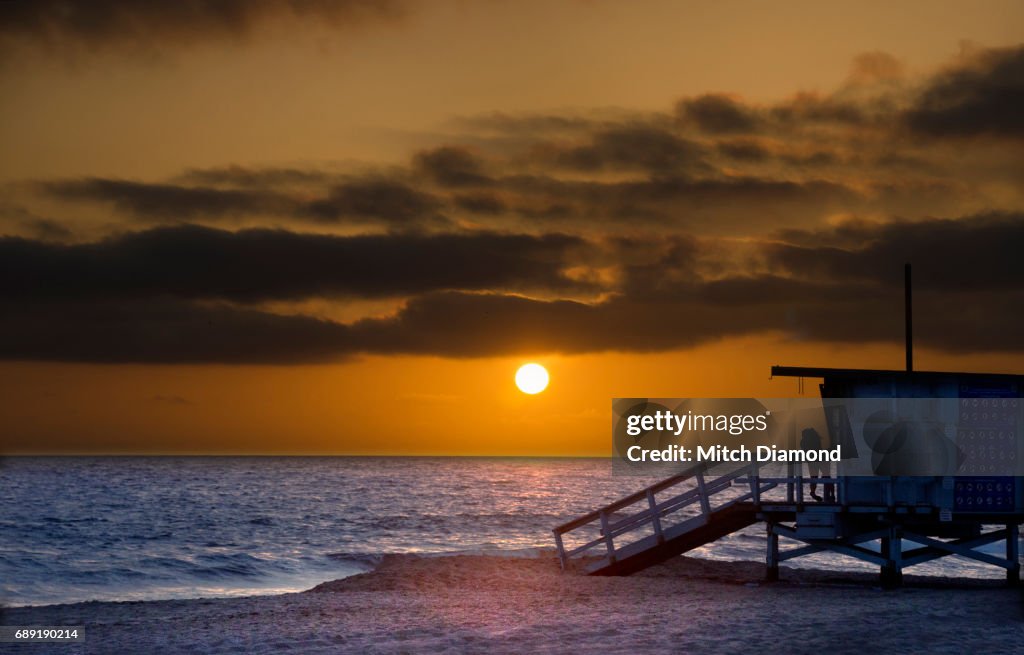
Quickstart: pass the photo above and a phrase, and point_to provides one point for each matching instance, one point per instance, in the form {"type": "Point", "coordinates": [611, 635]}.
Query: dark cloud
{"type": "Point", "coordinates": [657, 270]}
{"type": "Point", "coordinates": [450, 324]}
{"type": "Point", "coordinates": [100, 24]}
{"type": "Point", "coordinates": [717, 204]}
{"type": "Point", "coordinates": [809, 109]}
{"type": "Point", "coordinates": [816, 159]}
{"type": "Point", "coordinates": [649, 198]}
{"type": "Point", "coordinates": [719, 165]}
{"type": "Point", "coordinates": [457, 324]}
{"type": "Point", "coordinates": [635, 146]}
{"type": "Point", "coordinates": [382, 199]}
{"type": "Point", "coordinates": [480, 203]}
{"type": "Point", "coordinates": [979, 95]}
{"type": "Point", "coordinates": [472, 325]}
{"type": "Point", "coordinates": [752, 151]}
{"type": "Point", "coordinates": [734, 189]}
{"type": "Point", "coordinates": [678, 189]}
{"type": "Point", "coordinates": [242, 176]}
{"type": "Point", "coordinates": [451, 167]}
{"type": "Point", "coordinates": [984, 97]}
{"type": "Point", "coordinates": [744, 149]}
{"type": "Point", "coordinates": [718, 114]}
{"type": "Point", "coordinates": [979, 253]}
{"type": "Point", "coordinates": [714, 204]}
{"type": "Point", "coordinates": [258, 265]}
{"type": "Point", "coordinates": [664, 303]}
{"type": "Point", "coordinates": [361, 200]}
{"type": "Point", "coordinates": [25, 221]}
{"type": "Point", "coordinates": [168, 202]}
{"type": "Point", "coordinates": [150, 298]}
{"type": "Point", "coordinates": [163, 332]}
{"type": "Point", "coordinates": [47, 230]}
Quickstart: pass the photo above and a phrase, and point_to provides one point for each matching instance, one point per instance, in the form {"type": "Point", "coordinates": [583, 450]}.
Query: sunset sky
{"type": "Point", "coordinates": [238, 227]}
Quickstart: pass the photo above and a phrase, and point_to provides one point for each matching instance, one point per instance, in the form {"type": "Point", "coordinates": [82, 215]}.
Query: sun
{"type": "Point", "coordinates": [532, 378]}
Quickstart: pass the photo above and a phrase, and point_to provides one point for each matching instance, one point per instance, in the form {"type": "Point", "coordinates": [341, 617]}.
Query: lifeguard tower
{"type": "Point", "coordinates": [937, 515]}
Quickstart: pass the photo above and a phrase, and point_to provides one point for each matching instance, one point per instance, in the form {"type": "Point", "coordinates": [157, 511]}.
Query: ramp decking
{"type": "Point", "coordinates": [687, 511]}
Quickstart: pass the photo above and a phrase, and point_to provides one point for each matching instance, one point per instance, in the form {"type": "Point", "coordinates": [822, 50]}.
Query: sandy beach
{"type": "Point", "coordinates": [479, 604]}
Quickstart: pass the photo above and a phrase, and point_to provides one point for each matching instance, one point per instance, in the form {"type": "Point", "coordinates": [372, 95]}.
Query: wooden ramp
{"type": "Point", "coordinates": [650, 551]}
{"type": "Point", "coordinates": [619, 540]}
{"type": "Point", "coordinates": [687, 511]}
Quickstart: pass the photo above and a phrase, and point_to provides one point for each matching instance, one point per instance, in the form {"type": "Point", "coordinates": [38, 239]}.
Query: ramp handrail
{"type": "Point", "coordinates": [656, 510]}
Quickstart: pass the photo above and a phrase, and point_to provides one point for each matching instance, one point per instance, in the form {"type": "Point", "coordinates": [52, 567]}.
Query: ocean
{"type": "Point", "coordinates": [140, 528]}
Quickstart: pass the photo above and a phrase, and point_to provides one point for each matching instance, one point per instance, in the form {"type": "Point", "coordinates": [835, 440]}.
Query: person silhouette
{"type": "Point", "coordinates": [811, 440]}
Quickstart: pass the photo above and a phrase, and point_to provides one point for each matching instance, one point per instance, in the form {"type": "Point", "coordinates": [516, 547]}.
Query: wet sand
{"type": "Point", "coordinates": [478, 604]}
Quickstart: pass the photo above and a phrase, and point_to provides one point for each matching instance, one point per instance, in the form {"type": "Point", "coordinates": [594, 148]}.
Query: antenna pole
{"type": "Point", "coordinates": [908, 309]}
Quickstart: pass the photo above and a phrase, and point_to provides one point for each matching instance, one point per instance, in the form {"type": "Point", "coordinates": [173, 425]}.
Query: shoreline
{"type": "Point", "coordinates": [723, 571]}
{"type": "Point", "coordinates": [480, 603]}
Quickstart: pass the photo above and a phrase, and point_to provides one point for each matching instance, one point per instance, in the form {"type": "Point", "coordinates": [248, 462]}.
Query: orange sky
{"type": "Point", "coordinates": [373, 90]}
{"type": "Point", "coordinates": [573, 117]}
{"type": "Point", "coordinates": [397, 405]}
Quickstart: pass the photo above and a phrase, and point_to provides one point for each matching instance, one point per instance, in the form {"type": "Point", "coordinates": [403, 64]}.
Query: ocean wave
{"type": "Point", "coordinates": [149, 528]}
{"type": "Point", "coordinates": [372, 560]}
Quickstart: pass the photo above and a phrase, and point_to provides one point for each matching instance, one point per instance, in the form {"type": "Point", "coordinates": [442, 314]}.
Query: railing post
{"type": "Point", "coordinates": [705, 503]}
{"type": "Point", "coordinates": [655, 519]}
{"type": "Point", "coordinates": [789, 464]}
{"type": "Point", "coordinates": [800, 488]}
{"type": "Point", "coordinates": [607, 537]}
{"type": "Point", "coordinates": [891, 548]}
{"type": "Point", "coordinates": [772, 557]}
{"type": "Point", "coordinates": [1013, 554]}
{"type": "Point", "coordinates": [561, 549]}
{"type": "Point", "coordinates": [789, 485]}
{"type": "Point", "coordinates": [755, 486]}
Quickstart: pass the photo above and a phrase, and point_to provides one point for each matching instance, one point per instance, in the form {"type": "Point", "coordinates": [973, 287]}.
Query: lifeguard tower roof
{"type": "Point", "coordinates": [881, 383]}
{"type": "Point", "coordinates": [853, 374]}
